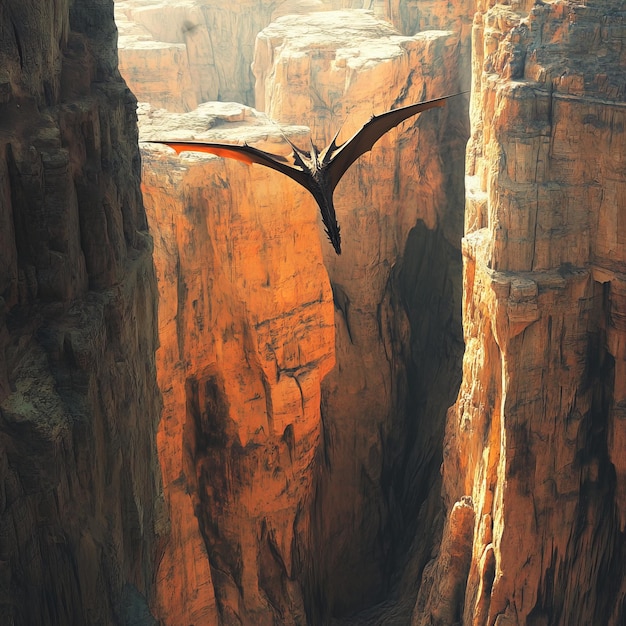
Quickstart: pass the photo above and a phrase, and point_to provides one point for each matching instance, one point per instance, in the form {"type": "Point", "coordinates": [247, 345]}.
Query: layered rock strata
{"type": "Point", "coordinates": [79, 479]}
{"type": "Point", "coordinates": [240, 364]}
{"type": "Point", "coordinates": [180, 53]}
{"type": "Point", "coordinates": [537, 434]}
{"type": "Point", "coordinates": [247, 333]}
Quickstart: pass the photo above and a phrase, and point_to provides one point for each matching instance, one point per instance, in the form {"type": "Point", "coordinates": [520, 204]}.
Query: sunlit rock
{"type": "Point", "coordinates": [537, 433]}
{"type": "Point", "coordinates": [400, 212]}
{"type": "Point", "coordinates": [247, 334]}
{"type": "Point", "coordinates": [179, 53]}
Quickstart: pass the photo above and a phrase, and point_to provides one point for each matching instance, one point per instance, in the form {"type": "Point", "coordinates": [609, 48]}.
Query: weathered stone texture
{"type": "Point", "coordinates": [79, 404]}
{"type": "Point", "coordinates": [399, 209]}
{"type": "Point", "coordinates": [180, 53]}
{"type": "Point", "coordinates": [247, 333]}
{"type": "Point", "coordinates": [537, 433]}
{"type": "Point", "coordinates": [242, 391]}
{"type": "Point", "coordinates": [442, 588]}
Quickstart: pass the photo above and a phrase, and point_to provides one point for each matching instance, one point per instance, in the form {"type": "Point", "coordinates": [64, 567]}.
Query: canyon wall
{"type": "Point", "coordinates": [304, 394]}
{"type": "Point", "coordinates": [294, 499]}
{"type": "Point", "coordinates": [537, 435]}
{"type": "Point", "coordinates": [396, 286]}
{"type": "Point", "coordinates": [178, 54]}
{"type": "Point", "coordinates": [247, 333]}
{"type": "Point", "coordinates": [79, 404]}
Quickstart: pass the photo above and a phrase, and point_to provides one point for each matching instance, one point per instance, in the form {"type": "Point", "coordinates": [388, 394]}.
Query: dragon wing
{"type": "Point", "coordinates": [244, 153]}
{"type": "Point", "coordinates": [340, 158]}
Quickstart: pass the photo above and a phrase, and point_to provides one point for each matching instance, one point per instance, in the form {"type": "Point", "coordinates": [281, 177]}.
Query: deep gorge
{"type": "Point", "coordinates": [207, 417]}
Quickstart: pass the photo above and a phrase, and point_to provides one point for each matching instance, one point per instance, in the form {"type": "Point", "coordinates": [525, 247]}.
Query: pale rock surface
{"type": "Point", "coordinates": [79, 405]}
{"type": "Point", "coordinates": [538, 431]}
{"type": "Point", "coordinates": [247, 334]}
{"type": "Point", "coordinates": [179, 53]}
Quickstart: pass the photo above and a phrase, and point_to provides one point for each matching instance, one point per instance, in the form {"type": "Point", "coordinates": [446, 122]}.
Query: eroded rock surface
{"type": "Point", "coordinates": [252, 420]}
{"type": "Point", "coordinates": [247, 334]}
{"type": "Point", "coordinates": [442, 589]}
{"type": "Point", "coordinates": [396, 297]}
{"type": "Point", "coordinates": [537, 433]}
{"type": "Point", "coordinates": [79, 479]}
{"type": "Point", "coordinates": [180, 53]}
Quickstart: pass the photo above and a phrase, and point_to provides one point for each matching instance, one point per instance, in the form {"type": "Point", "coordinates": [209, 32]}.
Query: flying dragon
{"type": "Point", "coordinates": [318, 172]}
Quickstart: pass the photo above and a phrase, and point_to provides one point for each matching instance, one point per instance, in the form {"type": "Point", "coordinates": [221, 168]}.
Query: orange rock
{"type": "Point", "coordinates": [245, 504]}
{"type": "Point", "coordinates": [247, 334]}
{"type": "Point", "coordinates": [403, 181]}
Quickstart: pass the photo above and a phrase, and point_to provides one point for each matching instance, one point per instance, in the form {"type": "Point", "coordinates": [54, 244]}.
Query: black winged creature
{"type": "Point", "coordinates": [319, 172]}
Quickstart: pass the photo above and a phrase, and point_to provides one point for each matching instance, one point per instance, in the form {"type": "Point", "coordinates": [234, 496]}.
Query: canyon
{"type": "Point", "coordinates": [208, 417]}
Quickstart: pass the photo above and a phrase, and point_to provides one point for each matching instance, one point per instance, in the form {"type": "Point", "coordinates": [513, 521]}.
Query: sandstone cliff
{"type": "Point", "coordinates": [288, 521]}
{"type": "Point", "coordinates": [537, 434]}
{"type": "Point", "coordinates": [79, 404]}
{"type": "Point", "coordinates": [301, 454]}
{"type": "Point", "coordinates": [247, 333]}
{"type": "Point", "coordinates": [397, 301]}
{"type": "Point", "coordinates": [180, 53]}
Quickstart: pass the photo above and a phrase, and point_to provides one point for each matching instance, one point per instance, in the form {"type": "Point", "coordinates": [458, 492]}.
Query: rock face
{"type": "Point", "coordinates": [79, 404]}
{"type": "Point", "coordinates": [443, 581]}
{"type": "Point", "coordinates": [304, 394]}
{"type": "Point", "coordinates": [398, 343]}
{"type": "Point", "coordinates": [247, 333]}
{"type": "Point", "coordinates": [180, 53]}
{"type": "Point", "coordinates": [283, 517]}
{"type": "Point", "coordinates": [537, 434]}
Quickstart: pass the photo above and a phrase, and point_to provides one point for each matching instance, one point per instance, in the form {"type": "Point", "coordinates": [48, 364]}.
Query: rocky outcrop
{"type": "Point", "coordinates": [536, 436]}
{"type": "Point", "coordinates": [442, 590]}
{"type": "Point", "coordinates": [180, 53]}
{"type": "Point", "coordinates": [157, 71]}
{"type": "Point", "coordinates": [79, 480]}
{"type": "Point", "coordinates": [247, 333]}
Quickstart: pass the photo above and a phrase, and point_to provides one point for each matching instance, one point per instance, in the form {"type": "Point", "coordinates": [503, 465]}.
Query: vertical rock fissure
{"type": "Point", "coordinates": [430, 288]}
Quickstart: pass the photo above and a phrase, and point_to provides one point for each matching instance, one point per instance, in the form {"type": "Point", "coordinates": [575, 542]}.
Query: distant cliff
{"type": "Point", "coordinates": [79, 404]}
{"type": "Point", "coordinates": [178, 54]}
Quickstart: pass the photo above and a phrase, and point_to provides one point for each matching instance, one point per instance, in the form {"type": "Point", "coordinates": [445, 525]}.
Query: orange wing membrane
{"type": "Point", "coordinates": [221, 151]}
